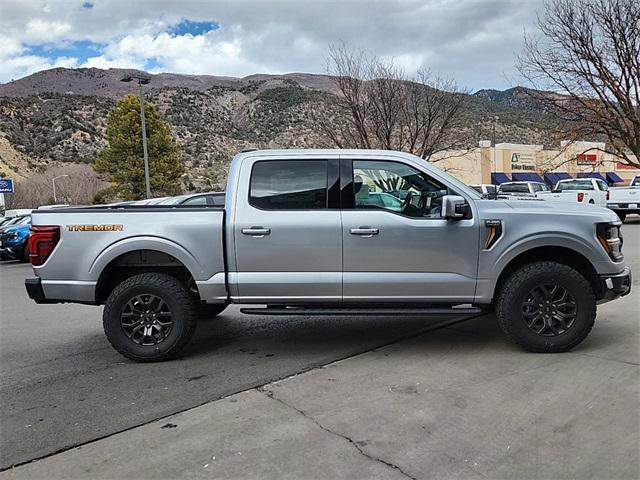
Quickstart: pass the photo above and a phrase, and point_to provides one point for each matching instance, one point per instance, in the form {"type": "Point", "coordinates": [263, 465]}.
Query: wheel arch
{"type": "Point", "coordinates": [143, 260]}
{"type": "Point", "coordinates": [558, 254]}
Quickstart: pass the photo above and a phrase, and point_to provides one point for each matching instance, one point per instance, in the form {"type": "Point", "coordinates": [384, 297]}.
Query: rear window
{"type": "Point", "coordinates": [514, 188]}
{"type": "Point", "coordinates": [575, 185]}
{"type": "Point", "coordinates": [289, 185]}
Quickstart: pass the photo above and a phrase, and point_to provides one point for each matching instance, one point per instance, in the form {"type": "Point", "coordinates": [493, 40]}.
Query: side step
{"type": "Point", "coordinates": [433, 312]}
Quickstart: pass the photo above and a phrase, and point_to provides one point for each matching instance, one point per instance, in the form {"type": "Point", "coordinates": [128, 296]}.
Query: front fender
{"type": "Point", "coordinates": [548, 239]}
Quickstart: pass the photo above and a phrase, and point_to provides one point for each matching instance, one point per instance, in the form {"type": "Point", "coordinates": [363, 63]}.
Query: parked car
{"type": "Point", "coordinates": [294, 236]}
{"type": "Point", "coordinates": [518, 188]}
{"type": "Point", "coordinates": [11, 221]}
{"type": "Point", "coordinates": [383, 200]}
{"type": "Point", "coordinates": [635, 182]}
{"type": "Point", "coordinates": [591, 191]}
{"type": "Point", "coordinates": [208, 199]}
{"type": "Point", "coordinates": [14, 242]}
{"type": "Point", "coordinates": [484, 188]}
{"type": "Point", "coordinates": [17, 212]}
{"type": "Point", "coordinates": [624, 201]}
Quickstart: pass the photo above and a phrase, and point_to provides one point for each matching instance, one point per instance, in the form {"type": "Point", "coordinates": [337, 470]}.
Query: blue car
{"type": "Point", "coordinates": [14, 242]}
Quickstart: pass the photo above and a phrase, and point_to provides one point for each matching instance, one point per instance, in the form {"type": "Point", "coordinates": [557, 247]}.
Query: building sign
{"type": "Point", "coordinates": [625, 166]}
{"type": "Point", "coordinates": [586, 158]}
{"type": "Point", "coordinates": [522, 161]}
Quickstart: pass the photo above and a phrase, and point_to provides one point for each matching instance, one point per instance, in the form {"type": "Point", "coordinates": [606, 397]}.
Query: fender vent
{"type": "Point", "coordinates": [494, 232]}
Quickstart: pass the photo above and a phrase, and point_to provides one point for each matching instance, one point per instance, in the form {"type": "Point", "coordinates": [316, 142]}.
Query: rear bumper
{"type": "Point", "coordinates": [35, 291]}
{"type": "Point", "coordinates": [614, 286]}
{"type": "Point", "coordinates": [624, 207]}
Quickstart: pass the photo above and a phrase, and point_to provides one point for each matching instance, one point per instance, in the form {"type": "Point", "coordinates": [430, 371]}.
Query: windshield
{"type": "Point", "coordinates": [574, 185]}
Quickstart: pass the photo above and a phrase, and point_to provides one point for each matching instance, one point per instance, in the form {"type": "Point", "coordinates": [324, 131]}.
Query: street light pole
{"type": "Point", "coordinates": [147, 183]}
{"type": "Point", "coordinates": [55, 198]}
{"type": "Point", "coordinates": [142, 79]}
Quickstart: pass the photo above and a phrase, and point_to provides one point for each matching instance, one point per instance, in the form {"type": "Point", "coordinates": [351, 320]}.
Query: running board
{"type": "Point", "coordinates": [435, 312]}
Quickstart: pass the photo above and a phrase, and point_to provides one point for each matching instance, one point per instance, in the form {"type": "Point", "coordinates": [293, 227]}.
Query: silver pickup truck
{"type": "Point", "coordinates": [314, 232]}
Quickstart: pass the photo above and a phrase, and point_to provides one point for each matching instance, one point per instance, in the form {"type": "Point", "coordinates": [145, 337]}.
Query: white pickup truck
{"type": "Point", "coordinates": [591, 191]}
{"type": "Point", "coordinates": [625, 200]}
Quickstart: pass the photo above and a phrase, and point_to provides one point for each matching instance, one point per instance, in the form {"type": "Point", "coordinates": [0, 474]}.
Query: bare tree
{"type": "Point", "coordinates": [588, 60]}
{"type": "Point", "coordinates": [79, 188]}
{"type": "Point", "coordinates": [378, 106]}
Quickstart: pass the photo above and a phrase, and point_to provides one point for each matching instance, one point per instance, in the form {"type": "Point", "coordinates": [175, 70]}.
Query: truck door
{"type": "Point", "coordinates": [403, 251]}
{"type": "Point", "coordinates": [287, 231]}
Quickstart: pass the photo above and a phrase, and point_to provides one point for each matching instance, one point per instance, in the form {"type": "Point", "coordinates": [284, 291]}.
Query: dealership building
{"type": "Point", "coordinates": [505, 162]}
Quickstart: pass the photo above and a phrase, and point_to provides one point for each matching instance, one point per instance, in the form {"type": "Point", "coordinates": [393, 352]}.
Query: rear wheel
{"type": "Point", "coordinates": [546, 307]}
{"type": "Point", "coordinates": [149, 317]}
{"type": "Point", "coordinates": [25, 254]}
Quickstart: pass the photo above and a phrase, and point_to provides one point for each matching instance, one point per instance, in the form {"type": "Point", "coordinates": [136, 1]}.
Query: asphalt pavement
{"type": "Point", "coordinates": [454, 402]}
{"type": "Point", "coordinates": [63, 385]}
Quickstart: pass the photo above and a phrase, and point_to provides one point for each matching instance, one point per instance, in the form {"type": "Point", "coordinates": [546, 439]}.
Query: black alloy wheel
{"type": "Point", "coordinates": [146, 319]}
{"type": "Point", "coordinates": [549, 310]}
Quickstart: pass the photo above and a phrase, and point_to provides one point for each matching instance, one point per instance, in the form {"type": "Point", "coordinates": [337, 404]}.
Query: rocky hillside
{"type": "Point", "coordinates": [59, 115]}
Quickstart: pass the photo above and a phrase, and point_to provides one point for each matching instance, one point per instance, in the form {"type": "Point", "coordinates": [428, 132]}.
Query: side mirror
{"type": "Point", "coordinates": [454, 207]}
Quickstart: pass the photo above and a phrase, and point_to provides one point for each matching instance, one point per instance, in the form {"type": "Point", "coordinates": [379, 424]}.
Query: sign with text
{"type": "Point", "coordinates": [522, 161]}
{"type": "Point", "coordinates": [6, 185]}
{"type": "Point", "coordinates": [586, 158]}
{"type": "Point", "coordinates": [625, 166]}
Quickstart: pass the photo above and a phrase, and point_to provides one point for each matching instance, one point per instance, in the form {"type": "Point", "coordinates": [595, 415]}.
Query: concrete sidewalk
{"type": "Point", "coordinates": [459, 402]}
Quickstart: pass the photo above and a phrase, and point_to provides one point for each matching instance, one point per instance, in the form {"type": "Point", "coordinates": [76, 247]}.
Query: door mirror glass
{"type": "Point", "coordinates": [454, 207]}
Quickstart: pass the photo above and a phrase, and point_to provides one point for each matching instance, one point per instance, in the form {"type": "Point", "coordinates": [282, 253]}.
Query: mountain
{"type": "Point", "coordinates": [59, 115]}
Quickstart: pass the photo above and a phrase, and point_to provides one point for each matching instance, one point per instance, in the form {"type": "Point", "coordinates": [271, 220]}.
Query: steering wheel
{"type": "Point", "coordinates": [406, 202]}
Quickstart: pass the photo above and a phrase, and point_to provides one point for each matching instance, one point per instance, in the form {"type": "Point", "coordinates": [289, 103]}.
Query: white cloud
{"type": "Point", "coordinates": [43, 31]}
{"type": "Point", "coordinates": [475, 41]}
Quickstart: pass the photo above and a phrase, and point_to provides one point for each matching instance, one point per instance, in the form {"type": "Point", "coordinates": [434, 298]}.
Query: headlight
{"type": "Point", "coordinates": [610, 238]}
{"type": "Point", "coordinates": [13, 236]}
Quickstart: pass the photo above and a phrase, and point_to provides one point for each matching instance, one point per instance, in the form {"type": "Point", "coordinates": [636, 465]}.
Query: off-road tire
{"type": "Point", "coordinates": [206, 311]}
{"type": "Point", "coordinates": [174, 294]}
{"type": "Point", "coordinates": [516, 287]}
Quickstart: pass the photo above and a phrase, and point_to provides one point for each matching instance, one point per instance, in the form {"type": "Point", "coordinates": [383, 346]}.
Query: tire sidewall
{"type": "Point", "coordinates": [118, 336]}
{"type": "Point", "coordinates": [584, 312]}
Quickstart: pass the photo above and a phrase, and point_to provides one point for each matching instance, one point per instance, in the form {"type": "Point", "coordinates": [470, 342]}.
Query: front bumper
{"type": "Point", "coordinates": [614, 286]}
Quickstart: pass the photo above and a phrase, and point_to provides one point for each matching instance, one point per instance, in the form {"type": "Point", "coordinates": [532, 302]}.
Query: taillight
{"type": "Point", "coordinates": [580, 196]}
{"type": "Point", "coordinates": [42, 240]}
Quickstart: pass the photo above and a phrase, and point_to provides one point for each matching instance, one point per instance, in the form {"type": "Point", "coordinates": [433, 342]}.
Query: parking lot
{"type": "Point", "coordinates": [574, 414]}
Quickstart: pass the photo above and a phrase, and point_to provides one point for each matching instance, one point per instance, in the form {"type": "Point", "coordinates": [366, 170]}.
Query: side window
{"type": "Point", "coordinates": [603, 186]}
{"type": "Point", "coordinates": [397, 188]}
{"type": "Point", "coordinates": [289, 185]}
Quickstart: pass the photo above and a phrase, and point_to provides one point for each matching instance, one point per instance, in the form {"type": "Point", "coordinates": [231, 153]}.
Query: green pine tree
{"type": "Point", "coordinates": [122, 162]}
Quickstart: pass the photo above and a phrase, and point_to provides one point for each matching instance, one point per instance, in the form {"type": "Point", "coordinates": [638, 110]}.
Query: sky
{"type": "Point", "coordinates": [473, 41]}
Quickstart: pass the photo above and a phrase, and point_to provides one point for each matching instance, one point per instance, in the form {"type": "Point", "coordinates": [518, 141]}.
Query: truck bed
{"type": "Point", "coordinates": [92, 238]}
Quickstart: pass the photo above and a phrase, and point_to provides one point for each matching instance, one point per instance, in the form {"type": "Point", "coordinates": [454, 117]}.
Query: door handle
{"type": "Point", "coordinates": [256, 231]}
{"type": "Point", "coordinates": [364, 231]}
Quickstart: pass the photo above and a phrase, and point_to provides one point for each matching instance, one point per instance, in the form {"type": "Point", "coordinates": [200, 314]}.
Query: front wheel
{"type": "Point", "coordinates": [149, 317]}
{"type": "Point", "coordinates": [546, 307]}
